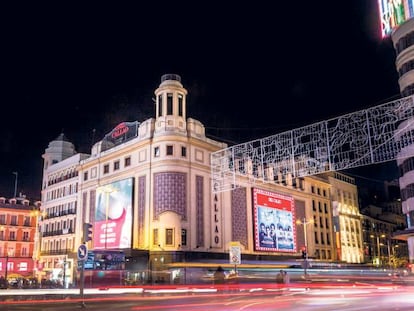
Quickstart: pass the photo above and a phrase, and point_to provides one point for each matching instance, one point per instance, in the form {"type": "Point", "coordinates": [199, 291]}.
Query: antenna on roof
{"type": "Point", "coordinates": [93, 136]}
{"type": "Point", "coordinates": [15, 184]}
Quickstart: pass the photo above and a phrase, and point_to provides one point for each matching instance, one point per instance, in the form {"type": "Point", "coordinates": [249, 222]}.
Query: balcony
{"type": "Point", "coordinates": [58, 232]}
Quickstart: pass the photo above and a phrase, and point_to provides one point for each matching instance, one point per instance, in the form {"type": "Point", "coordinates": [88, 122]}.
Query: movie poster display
{"type": "Point", "coordinates": [274, 219]}
{"type": "Point", "coordinates": [113, 215]}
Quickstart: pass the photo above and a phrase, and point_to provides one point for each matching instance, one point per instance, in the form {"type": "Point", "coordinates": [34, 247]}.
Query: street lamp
{"type": "Point", "coordinates": [378, 247]}
{"type": "Point", "coordinates": [8, 254]}
{"type": "Point", "coordinates": [107, 190]}
{"type": "Point", "coordinates": [63, 263]}
{"type": "Point", "coordinates": [305, 222]}
{"type": "Point", "coordinates": [6, 271]}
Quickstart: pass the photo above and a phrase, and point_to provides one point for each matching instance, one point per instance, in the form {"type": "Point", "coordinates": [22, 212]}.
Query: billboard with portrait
{"type": "Point", "coordinates": [112, 227]}
{"type": "Point", "coordinates": [393, 13]}
{"type": "Point", "coordinates": [274, 219]}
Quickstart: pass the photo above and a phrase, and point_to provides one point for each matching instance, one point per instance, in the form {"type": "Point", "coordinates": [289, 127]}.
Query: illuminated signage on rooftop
{"type": "Point", "coordinates": [393, 13]}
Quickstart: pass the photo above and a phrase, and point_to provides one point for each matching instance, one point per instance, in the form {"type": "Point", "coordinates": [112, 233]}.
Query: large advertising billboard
{"type": "Point", "coordinates": [274, 219]}
{"type": "Point", "coordinates": [393, 13]}
{"type": "Point", "coordinates": [112, 227]}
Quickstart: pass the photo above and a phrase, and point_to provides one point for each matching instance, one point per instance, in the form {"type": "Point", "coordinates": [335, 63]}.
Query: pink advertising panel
{"type": "Point", "coordinates": [20, 266]}
{"type": "Point", "coordinates": [112, 228]}
{"type": "Point", "coordinates": [274, 219]}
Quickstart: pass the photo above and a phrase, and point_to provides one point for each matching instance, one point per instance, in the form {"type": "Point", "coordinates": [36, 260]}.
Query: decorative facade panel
{"type": "Point", "coordinates": [170, 193]}
{"type": "Point", "coordinates": [239, 215]}
{"type": "Point", "coordinates": [141, 209]}
{"type": "Point", "coordinates": [200, 210]}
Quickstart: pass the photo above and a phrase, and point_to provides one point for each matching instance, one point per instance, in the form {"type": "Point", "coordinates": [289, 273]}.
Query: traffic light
{"type": "Point", "coordinates": [303, 254]}
{"type": "Point", "coordinates": [87, 232]}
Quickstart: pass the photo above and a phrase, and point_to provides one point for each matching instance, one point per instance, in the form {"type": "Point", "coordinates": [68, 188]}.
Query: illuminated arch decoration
{"type": "Point", "coordinates": [371, 136]}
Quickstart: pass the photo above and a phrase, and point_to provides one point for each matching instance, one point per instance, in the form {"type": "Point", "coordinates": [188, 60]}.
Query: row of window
{"type": "Point", "coordinates": [60, 225]}
{"type": "Point", "coordinates": [406, 166]}
{"type": "Point", "coordinates": [169, 151]}
{"type": "Point", "coordinates": [322, 238]}
{"type": "Point", "coordinates": [13, 221]}
{"type": "Point", "coordinates": [405, 42]}
{"type": "Point", "coordinates": [317, 190]}
{"type": "Point", "coordinates": [168, 237]}
{"type": "Point", "coordinates": [409, 90]}
{"type": "Point", "coordinates": [11, 252]}
{"type": "Point", "coordinates": [57, 245]}
{"type": "Point", "coordinates": [13, 236]}
{"type": "Point", "coordinates": [170, 106]}
{"type": "Point", "coordinates": [127, 161]}
{"type": "Point", "coordinates": [62, 191]}
{"type": "Point", "coordinates": [62, 177]}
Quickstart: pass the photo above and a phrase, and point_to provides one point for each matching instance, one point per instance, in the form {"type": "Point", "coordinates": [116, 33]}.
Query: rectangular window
{"type": "Point", "coordinates": [26, 221]}
{"type": "Point", "coordinates": [127, 161]}
{"type": "Point", "coordinates": [116, 165]}
{"type": "Point", "coordinates": [2, 219]}
{"type": "Point", "coordinates": [180, 105]}
{"type": "Point", "coordinates": [155, 237]}
{"type": "Point", "coordinates": [85, 176]}
{"type": "Point", "coordinates": [183, 237]}
{"type": "Point", "coordinates": [156, 152]}
{"type": "Point", "coordinates": [25, 236]}
{"type": "Point", "coordinates": [13, 221]}
{"type": "Point", "coordinates": [170, 150]}
{"type": "Point", "coordinates": [12, 236]}
{"type": "Point", "coordinates": [169, 104]}
{"type": "Point", "coordinates": [93, 172]}
{"type": "Point", "coordinates": [25, 253]}
{"type": "Point", "coordinates": [184, 152]}
{"type": "Point", "coordinates": [159, 105]}
{"type": "Point", "coordinates": [169, 236]}
{"type": "Point", "coordinates": [106, 169]}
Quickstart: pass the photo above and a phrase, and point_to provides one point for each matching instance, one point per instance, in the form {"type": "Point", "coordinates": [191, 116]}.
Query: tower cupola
{"type": "Point", "coordinates": [170, 105]}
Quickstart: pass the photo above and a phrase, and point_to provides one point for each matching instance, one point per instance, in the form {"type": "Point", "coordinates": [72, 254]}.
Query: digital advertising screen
{"type": "Point", "coordinates": [112, 228]}
{"type": "Point", "coordinates": [393, 13]}
{"type": "Point", "coordinates": [274, 222]}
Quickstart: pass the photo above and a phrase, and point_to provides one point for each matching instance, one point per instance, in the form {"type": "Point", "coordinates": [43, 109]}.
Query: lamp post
{"type": "Point", "coordinates": [107, 190]}
{"type": "Point", "coordinates": [305, 222]}
{"type": "Point", "coordinates": [6, 271]}
{"type": "Point", "coordinates": [64, 273]}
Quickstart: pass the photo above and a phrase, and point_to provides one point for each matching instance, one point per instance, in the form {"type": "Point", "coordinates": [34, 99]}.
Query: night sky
{"type": "Point", "coordinates": [252, 69]}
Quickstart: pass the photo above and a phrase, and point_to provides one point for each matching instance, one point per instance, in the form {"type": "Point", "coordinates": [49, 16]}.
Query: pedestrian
{"type": "Point", "coordinates": [286, 278]}
{"type": "Point", "coordinates": [279, 277]}
{"type": "Point", "coordinates": [219, 275]}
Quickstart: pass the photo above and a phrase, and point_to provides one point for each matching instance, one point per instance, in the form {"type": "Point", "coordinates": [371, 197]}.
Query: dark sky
{"type": "Point", "coordinates": [252, 69]}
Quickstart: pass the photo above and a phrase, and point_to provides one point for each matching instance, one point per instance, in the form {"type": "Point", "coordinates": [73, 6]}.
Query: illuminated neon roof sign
{"type": "Point", "coordinates": [120, 134]}
{"type": "Point", "coordinates": [393, 13]}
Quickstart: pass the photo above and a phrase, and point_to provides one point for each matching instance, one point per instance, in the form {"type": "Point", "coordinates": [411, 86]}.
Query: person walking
{"type": "Point", "coordinates": [279, 277]}
{"type": "Point", "coordinates": [286, 278]}
{"type": "Point", "coordinates": [219, 275]}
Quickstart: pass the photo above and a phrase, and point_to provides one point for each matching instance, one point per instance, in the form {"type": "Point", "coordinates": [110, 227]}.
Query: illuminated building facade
{"type": "Point", "coordinates": [403, 40]}
{"type": "Point", "coordinates": [58, 240]}
{"type": "Point", "coordinates": [18, 223]}
{"type": "Point", "coordinates": [146, 190]}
